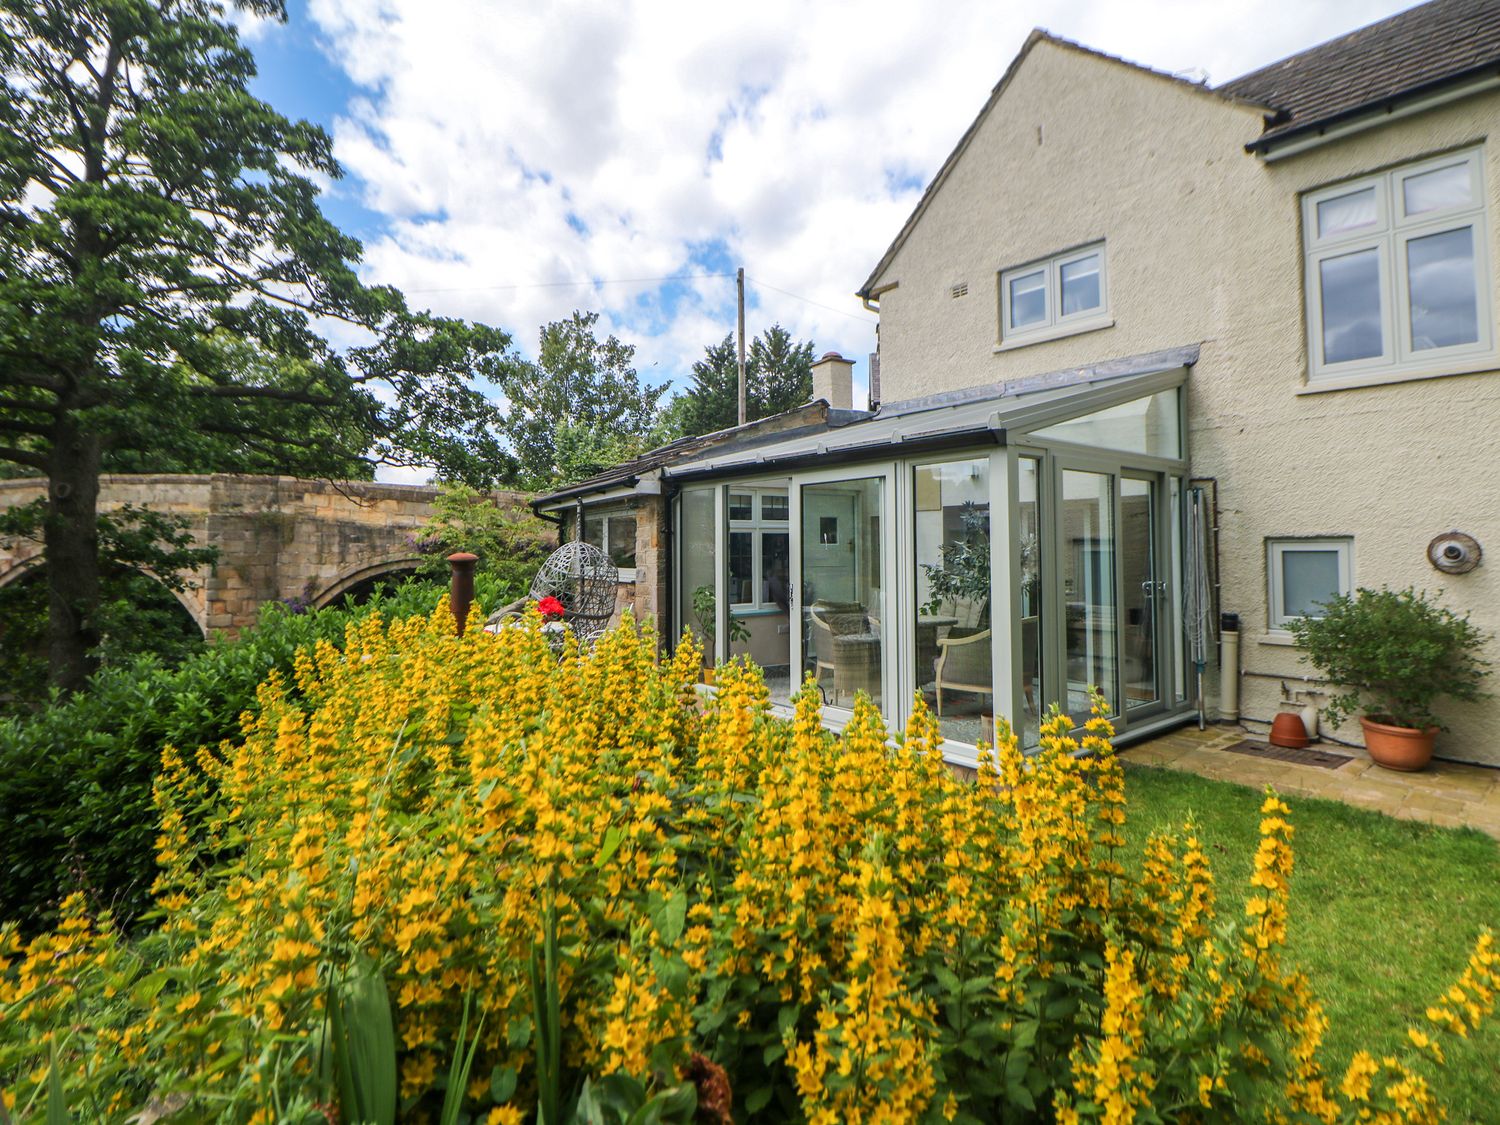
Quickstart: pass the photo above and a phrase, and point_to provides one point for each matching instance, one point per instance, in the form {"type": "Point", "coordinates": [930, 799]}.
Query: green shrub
{"type": "Point", "coordinates": [1395, 653]}
{"type": "Point", "coordinates": [75, 778]}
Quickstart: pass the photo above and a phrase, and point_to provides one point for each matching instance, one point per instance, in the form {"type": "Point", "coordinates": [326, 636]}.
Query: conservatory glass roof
{"type": "Point", "coordinates": [994, 413]}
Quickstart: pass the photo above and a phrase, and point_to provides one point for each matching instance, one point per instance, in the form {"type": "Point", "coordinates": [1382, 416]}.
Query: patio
{"type": "Point", "coordinates": [1448, 794]}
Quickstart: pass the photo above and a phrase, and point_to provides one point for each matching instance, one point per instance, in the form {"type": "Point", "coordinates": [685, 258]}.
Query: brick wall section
{"type": "Point", "coordinates": [278, 537]}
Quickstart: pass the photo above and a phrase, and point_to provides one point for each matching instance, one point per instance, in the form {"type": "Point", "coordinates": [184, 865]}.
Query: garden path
{"type": "Point", "coordinates": [1450, 794]}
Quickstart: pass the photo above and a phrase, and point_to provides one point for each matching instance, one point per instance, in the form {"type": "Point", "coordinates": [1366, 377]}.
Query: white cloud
{"type": "Point", "coordinates": [511, 145]}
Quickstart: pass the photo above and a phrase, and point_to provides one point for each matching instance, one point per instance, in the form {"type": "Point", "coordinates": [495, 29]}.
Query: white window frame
{"type": "Point", "coordinates": [1054, 324]}
{"type": "Point", "coordinates": [1389, 237]}
{"type": "Point", "coordinates": [1276, 549]}
{"type": "Point", "coordinates": [757, 525]}
{"type": "Point", "coordinates": [627, 573]}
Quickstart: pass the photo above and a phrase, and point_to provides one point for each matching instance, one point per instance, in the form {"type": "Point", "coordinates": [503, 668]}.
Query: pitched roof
{"type": "Point", "coordinates": [1038, 35]}
{"type": "Point", "coordinates": [1413, 52]}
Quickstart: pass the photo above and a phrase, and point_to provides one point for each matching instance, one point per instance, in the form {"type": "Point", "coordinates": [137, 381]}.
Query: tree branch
{"type": "Point", "coordinates": [24, 457]}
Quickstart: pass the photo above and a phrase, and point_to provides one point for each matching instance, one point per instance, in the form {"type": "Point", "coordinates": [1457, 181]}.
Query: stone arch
{"type": "Point", "coordinates": [404, 566]}
{"type": "Point", "coordinates": [26, 569]}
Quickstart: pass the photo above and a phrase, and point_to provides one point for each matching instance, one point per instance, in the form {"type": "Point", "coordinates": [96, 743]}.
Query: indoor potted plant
{"type": "Point", "coordinates": [1392, 654]}
{"type": "Point", "coordinates": [705, 606]}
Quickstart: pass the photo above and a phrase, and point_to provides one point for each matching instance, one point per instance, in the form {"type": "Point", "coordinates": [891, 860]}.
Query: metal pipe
{"type": "Point", "coordinates": [461, 587]}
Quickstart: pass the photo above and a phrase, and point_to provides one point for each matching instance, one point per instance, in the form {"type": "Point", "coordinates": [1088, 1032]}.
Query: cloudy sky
{"type": "Point", "coordinates": [510, 162]}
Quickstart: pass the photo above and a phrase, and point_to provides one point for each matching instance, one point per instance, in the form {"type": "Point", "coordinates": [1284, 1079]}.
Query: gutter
{"type": "Point", "coordinates": [848, 454]}
{"type": "Point", "coordinates": [1418, 99]}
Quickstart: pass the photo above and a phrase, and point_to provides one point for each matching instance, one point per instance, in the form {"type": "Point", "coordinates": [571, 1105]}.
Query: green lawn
{"type": "Point", "coordinates": [1384, 913]}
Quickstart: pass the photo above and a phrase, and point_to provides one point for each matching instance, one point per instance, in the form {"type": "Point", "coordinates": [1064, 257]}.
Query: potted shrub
{"type": "Point", "coordinates": [1394, 654]}
{"type": "Point", "coordinates": [705, 606]}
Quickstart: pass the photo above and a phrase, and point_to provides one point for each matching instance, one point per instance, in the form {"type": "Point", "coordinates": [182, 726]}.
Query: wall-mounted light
{"type": "Point", "coordinates": [1454, 552]}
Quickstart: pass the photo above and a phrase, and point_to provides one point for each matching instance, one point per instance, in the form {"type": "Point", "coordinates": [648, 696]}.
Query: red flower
{"type": "Point", "coordinates": [550, 608]}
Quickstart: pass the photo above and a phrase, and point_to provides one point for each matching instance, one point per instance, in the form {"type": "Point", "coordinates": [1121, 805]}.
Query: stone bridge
{"type": "Point", "coordinates": [278, 537]}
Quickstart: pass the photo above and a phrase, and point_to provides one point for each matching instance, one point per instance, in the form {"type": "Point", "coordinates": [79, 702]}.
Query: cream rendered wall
{"type": "Point", "coordinates": [1204, 245]}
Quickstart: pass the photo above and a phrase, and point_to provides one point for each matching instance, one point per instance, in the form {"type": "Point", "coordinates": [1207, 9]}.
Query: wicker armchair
{"type": "Point", "coordinates": [845, 644]}
{"type": "Point", "coordinates": [964, 664]}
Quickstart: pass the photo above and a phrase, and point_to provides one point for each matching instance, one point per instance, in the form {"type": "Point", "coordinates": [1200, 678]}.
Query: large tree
{"type": "Point", "coordinates": [165, 276]}
{"type": "Point", "coordinates": [580, 407]}
{"type": "Point", "coordinates": [778, 377]}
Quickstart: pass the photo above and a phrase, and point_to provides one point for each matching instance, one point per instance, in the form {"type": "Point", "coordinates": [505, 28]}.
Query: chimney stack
{"type": "Point", "coordinates": [833, 381]}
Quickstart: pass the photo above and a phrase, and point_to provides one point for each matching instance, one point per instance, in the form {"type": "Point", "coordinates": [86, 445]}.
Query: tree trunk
{"type": "Point", "coordinates": [71, 542]}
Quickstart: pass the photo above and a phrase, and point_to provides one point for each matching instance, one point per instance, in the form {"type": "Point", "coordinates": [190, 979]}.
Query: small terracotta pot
{"type": "Point", "coordinates": [1398, 748]}
{"type": "Point", "coordinates": [1287, 730]}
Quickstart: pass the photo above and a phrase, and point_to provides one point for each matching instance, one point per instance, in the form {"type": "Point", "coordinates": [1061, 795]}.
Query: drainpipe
{"type": "Point", "coordinates": [461, 587]}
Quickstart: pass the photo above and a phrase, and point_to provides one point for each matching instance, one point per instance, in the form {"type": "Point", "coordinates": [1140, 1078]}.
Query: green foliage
{"type": "Point", "coordinates": [144, 557]}
{"type": "Point", "coordinates": [363, 1044]}
{"type": "Point", "coordinates": [778, 378]}
{"type": "Point", "coordinates": [510, 541]}
{"type": "Point", "coordinates": [964, 572]}
{"type": "Point", "coordinates": [705, 606]}
{"type": "Point", "coordinates": [579, 409]}
{"type": "Point", "coordinates": [165, 271]}
{"type": "Point", "coordinates": [1394, 653]}
{"type": "Point", "coordinates": [75, 778]}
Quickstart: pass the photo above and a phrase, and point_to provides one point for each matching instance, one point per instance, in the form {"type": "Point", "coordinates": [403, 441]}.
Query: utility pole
{"type": "Point", "coordinates": [740, 281]}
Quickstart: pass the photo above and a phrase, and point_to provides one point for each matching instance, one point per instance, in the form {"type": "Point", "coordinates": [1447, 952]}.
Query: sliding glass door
{"type": "Point", "coordinates": [841, 587]}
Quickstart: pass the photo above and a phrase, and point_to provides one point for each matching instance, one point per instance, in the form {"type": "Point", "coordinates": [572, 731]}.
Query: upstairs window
{"type": "Point", "coordinates": [1055, 297]}
{"type": "Point", "coordinates": [1397, 271]}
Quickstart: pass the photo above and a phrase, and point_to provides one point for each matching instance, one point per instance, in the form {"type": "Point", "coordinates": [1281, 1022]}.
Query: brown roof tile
{"type": "Point", "coordinates": [1421, 48]}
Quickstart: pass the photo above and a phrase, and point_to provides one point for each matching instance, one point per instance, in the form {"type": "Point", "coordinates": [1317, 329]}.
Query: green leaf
{"type": "Point", "coordinates": [614, 836]}
{"type": "Point", "coordinates": [57, 1101]}
{"type": "Point", "coordinates": [503, 1081]}
{"type": "Point", "coordinates": [757, 1100]}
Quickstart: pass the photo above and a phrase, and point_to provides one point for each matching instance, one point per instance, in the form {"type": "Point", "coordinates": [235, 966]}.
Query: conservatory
{"type": "Point", "coordinates": [994, 551]}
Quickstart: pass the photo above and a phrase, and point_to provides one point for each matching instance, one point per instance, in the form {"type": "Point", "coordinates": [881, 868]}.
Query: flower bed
{"type": "Point", "coordinates": [604, 894]}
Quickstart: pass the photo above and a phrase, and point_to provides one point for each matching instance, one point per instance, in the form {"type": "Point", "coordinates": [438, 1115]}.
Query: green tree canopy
{"type": "Point", "coordinates": [778, 377]}
{"type": "Point", "coordinates": [580, 408]}
{"type": "Point", "coordinates": [164, 272]}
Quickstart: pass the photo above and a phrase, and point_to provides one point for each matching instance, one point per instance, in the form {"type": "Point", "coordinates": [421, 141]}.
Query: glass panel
{"type": "Point", "coordinates": [844, 634]}
{"type": "Point", "coordinates": [741, 506]}
{"type": "Point", "coordinates": [741, 567]}
{"type": "Point", "coordinates": [1029, 529]}
{"type": "Point", "coordinates": [1437, 190]}
{"type": "Point", "coordinates": [1174, 584]}
{"type": "Point", "coordinates": [1028, 299]}
{"type": "Point", "coordinates": [593, 531]}
{"type": "Point", "coordinates": [775, 569]}
{"type": "Point", "coordinates": [774, 506]}
{"type": "Point", "coordinates": [1088, 573]}
{"type": "Point", "coordinates": [1351, 307]}
{"type": "Point", "coordinates": [1308, 577]}
{"type": "Point", "coordinates": [1080, 285]}
{"type": "Point", "coordinates": [1144, 425]}
{"type": "Point", "coordinates": [1138, 569]}
{"type": "Point", "coordinates": [1440, 282]}
{"type": "Point", "coordinates": [696, 566]}
{"type": "Point", "coordinates": [1347, 212]}
{"type": "Point", "coordinates": [951, 527]}
{"type": "Point", "coordinates": [622, 540]}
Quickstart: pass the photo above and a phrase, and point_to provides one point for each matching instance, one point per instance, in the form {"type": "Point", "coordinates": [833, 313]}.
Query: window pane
{"type": "Point", "coordinates": [1437, 190]}
{"type": "Point", "coordinates": [1088, 573]}
{"type": "Point", "coordinates": [774, 507]}
{"type": "Point", "coordinates": [1308, 577]}
{"type": "Point", "coordinates": [622, 540]}
{"type": "Point", "coordinates": [696, 567]}
{"type": "Point", "coordinates": [1029, 529]}
{"type": "Point", "coordinates": [955, 669]}
{"type": "Point", "coordinates": [1347, 213]}
{"type": "Point", "coordinates": [1028, 299]}
{"type": "Point", "coordinates": [1351, 307]}
{"type": "Point", "coordinates": [775, 569]}
{"type": "Point", "coordinates": [741, 506]}
{"type": "Point", "coordinates": [1440, 279]}
{"type": "Point", "coordinates": [741, 564]}
{"type": "Point", "coordinates": [1080, 285]}
{"type": "Point", "coordinates": [844, 630]}
{"type": "Point", "coordinates": [1145, 425]}
{"type": "Point", "coordinates": [593, 531]}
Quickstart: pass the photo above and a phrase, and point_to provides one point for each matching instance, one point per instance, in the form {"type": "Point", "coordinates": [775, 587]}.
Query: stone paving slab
{"type": "Point", "coordinates": [1449, 794]}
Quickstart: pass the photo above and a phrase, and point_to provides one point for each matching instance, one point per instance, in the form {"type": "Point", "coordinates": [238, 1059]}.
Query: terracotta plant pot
{"type": "Point", "coordinates": [1398, 748]}
{"type": "Point", "coordinates": [1287, 730]}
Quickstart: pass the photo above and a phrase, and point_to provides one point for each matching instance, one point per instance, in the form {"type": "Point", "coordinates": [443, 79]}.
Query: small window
{"type": "Point", "coordinates": [1397, 278]}
{"type": "Point", "coordinates": [1064, 294]}
{"type": "Point", "coordinates": [759, 574]}
{"type": "Point", "coordinates": [614, 534]}
{"type": "Point", "coordinates": [1305, 574]}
